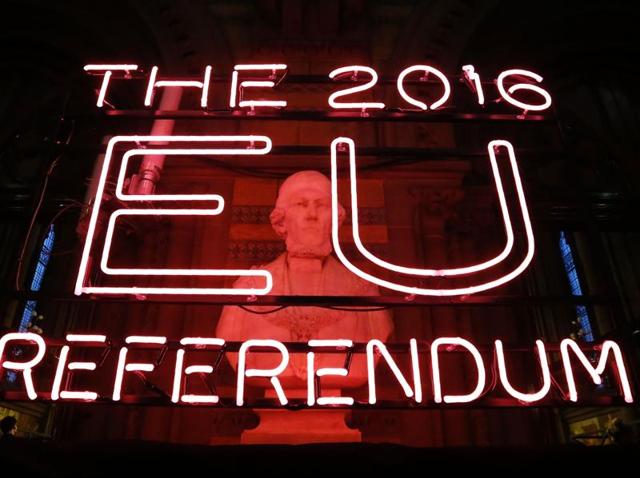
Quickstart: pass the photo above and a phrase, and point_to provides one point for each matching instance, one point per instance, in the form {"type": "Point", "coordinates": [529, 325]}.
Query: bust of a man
{"type": "Point", "coordinates": [302, 217]}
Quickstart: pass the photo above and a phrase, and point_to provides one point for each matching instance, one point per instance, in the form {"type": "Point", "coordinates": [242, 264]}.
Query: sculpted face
{"type": "Point", "coordinates": [308, 223]}
{"type": "Point", "coordinates": [305, 201]}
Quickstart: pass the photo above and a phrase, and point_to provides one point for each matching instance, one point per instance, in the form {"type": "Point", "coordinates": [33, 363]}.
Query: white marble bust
{"type": "Point", "coordinates": [302, 217]}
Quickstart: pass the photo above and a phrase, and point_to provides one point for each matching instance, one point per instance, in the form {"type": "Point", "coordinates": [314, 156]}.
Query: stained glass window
{"type": "Point", "coordinates": [574, 284]}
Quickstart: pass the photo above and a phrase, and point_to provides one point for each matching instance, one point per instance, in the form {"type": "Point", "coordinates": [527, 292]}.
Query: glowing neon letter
{"type": "Point", "coordinates": [427, 69]}
{"type": "Point", "coordinates": [546, 375]}
{"type": "Point", "coordinates": [415, 366]}
{"type": "Point", "coordinates": [197, 342]}
{"type": "Point", "coordinates": [255, 372]}
{"type": "Point", "coordinates": [62, 366]}
{"type": "Point", "coordinates": [235, 88]}
{"type": "Point", "coordinates": [473, 81]}
{"type": "Point", "coordinates": [371, 374]}
{"type": "Point", "coordinates": [108, 72]}
{"type": "Point", "coordinates": [153, 84]}
{"type": "Point", "coordinates": [123, 366]}
{"type": "Point", "coordinates": [354, 70]}
{"type": "Point", "coordinates": [435, 368]}
{"type": "Point", "coordinates": [312, 373]}
{"type": "Point", "coordinates": [249, 145]}
{"type": "Point", "coordinates": [595, 372]}
{"type": "Point", "coordinates": [24, 367]}
{"type": "Point", "coordinates": [493, 147]}
{"type": "Point", "coordinates": [507, 94]}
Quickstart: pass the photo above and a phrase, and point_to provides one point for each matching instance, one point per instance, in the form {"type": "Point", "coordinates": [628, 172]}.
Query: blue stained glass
{"type": "Point", "coordinates": [38, 275]}
{"type": "Point", "coordinates": [36, 283]}
{"type": "Point", "coordinates": [574, 284]}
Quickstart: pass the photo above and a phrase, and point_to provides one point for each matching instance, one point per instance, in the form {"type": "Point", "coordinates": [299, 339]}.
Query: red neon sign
{"type": "Point", "coordinates": [203, 85]}
{"type": "Point", "coordinates": [609, 352]}
{"type": "Point", "coordinates": [426, 69]}
{"type": "Point", "coordinates": [108, 73]}
{"type": "Point", "coordinates": [239, 89]}
{"type": "Point", "coordinates": [270, 75]}
{"type": "Point", "coordinates": [24, 367]}
{"type": "Point", "coordinates": [247, 80]}
{"type": "Point", "coordinates": [86, 395]}
{"type": "Point", "coordinates": [178, 383]}
{"type": "Point", "coordinates": [261, 145]}
{"type": "Point", "coordinates": [493, 147]}
{"type": "Point", "coordinates": [247, 145]}
{"type": "Point", "coordinates": [313, 373]}
{"type": "Point", "coordinates": [546, 374]}
{"type": "Point", "coordinates": [507, 94]}
{"type": "Point", "coordinates": [473, 80]}
{"type": "Point", "coordinates": [353, 71]}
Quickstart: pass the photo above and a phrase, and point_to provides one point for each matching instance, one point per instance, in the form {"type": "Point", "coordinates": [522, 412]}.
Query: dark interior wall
{"type": "Point", "coordinates": [585, 55]}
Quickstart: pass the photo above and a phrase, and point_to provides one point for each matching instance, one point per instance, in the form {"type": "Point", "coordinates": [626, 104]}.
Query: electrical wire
{"type": "Point", "coordinates": [25, 242]}
{"type": "Point", "coordinates": [23, 249]}
{"type": "Point", "coordinates": [355, 309]}
{"type": "Point", "coordinates": [257, 312]}
{"type": "Point", "coordinates": [346, 309]}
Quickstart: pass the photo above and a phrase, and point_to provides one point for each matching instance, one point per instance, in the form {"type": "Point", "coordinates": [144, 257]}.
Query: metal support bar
{"type": "Point", "coordinates": [322, 301]}
{"type": "Point", "coordinates": [390, 114]}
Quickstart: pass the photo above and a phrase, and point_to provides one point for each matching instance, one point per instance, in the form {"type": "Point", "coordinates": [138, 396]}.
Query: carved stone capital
{"type": "Point", "coordinates": [437, 202]}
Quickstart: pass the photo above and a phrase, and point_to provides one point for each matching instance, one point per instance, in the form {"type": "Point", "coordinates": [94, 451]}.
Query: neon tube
{"type": "Point", "coordinates": [254, 372]}
{"type": "Point", "coordinates": [108, 72]}
{"type": "Point", "coordinates": [250, 139]}
{"type": "Point", "coordinates": [133, 367]}
{"type": "Point", "coordinates": [415, 367]}
{"type": "Point", "coordinates": [115, 67]}
{"type": "Point", "coordinates": [203, 85]}
{"type": "Point", "coordinates": [312, 373]}
{"type": "Point", "coordinates": [355, 69]}
{"type": "Point", "coordinates": [595, 372]}
{"type": "Point", "coordinates": [85, 395]}
{"type": "Point", "coordinates": [382, 349]}
{"type": "Point", "coordinates": [413, 270]}
{"type": "Point", "coordinates": [196, 342]}
{"type": "Point", "coordinates": [254, 84]}
{"type": "Point", "coordinates": [431, 272]}
{"type": "Point", "coordinates": [546, 375]}
{"type": "Point", "coordinates": [24, 367]}
{"type": "Point", "coordinates": [435, 367]}
{"type": "Point", "coordinates": [427, 69]}
{"type": "Point", "coordinates": [507, 94]}
{"type": "Point", "coordinates": [469, 73]}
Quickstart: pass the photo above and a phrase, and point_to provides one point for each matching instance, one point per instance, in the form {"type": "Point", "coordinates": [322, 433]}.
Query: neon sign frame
{"type": "Point", "coordinates": [414, 392]}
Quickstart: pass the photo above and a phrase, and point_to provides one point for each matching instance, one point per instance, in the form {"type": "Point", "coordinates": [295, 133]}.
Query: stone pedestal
{"type": "Point", "coordinates": [297, 427]}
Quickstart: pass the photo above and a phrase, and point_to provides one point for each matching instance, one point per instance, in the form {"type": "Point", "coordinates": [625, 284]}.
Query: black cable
{"type": "Point", "coordinates": [355, 309]}
{"type": "Point", "coordinates": [43, 190]}
{"type": "Point", "coordinates": [276, 309]}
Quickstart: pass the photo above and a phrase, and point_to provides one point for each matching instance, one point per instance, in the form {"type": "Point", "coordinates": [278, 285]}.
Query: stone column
{"type": "Point", "coordinates": [435, 209]}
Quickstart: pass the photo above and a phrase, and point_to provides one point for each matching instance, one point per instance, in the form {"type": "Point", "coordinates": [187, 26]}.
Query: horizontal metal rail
{"type": "Point", "coordinates": [320, 301]}
{"type": "Point", "coordinates": [159, 400]}
{"type": "Point", "coordinates": [390, 114]}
